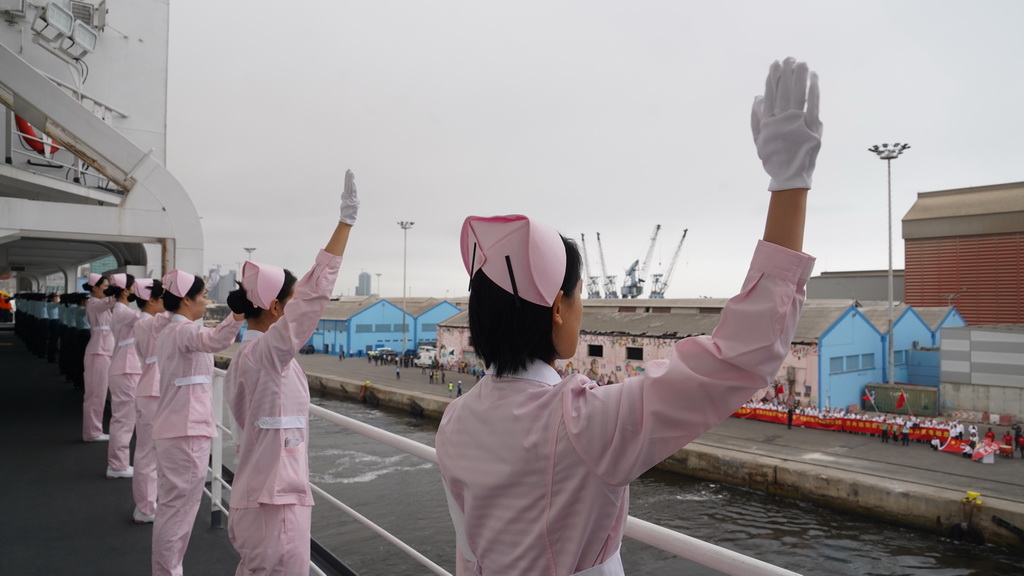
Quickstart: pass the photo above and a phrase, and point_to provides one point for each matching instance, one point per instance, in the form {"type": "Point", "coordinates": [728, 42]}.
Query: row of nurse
{"type": "Point", "coordinates": [157, 364]}
{"type": "Point", "coordinates": [125, 351]}
{"type": "Point", "coordinates": [268, 394]}
{"type": "Point", "coordinates": [269, 399]}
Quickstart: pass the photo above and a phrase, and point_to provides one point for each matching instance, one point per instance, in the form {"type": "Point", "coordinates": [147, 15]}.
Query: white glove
{"type": "Point", "coordinates": [349, 200]}
{"type": "Point", "coordinates": [787, 136]}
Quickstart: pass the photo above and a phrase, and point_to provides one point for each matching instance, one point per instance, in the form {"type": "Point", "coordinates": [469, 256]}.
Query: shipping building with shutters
{"type": "Point", "coordinates": [965, 248]}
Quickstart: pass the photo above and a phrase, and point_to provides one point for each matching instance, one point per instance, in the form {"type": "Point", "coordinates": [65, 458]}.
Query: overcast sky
{"type": "Point", "coordinates": [593, 116]}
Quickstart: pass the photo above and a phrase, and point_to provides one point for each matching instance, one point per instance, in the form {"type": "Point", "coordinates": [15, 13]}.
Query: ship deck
{"type": "Point", "coordinates": [61, 514]}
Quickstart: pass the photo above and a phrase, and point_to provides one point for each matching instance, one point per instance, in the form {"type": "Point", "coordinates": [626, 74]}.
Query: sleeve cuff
{"type": "Point", "coordinates": [781, 262]}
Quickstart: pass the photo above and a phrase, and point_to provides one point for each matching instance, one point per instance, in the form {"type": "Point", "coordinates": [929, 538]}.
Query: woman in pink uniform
{"type": "Point", "coordinates": [97, 358]}
{"type": "Point", "coordinates": [184, 423]}
{"type": "Point", "coordinates": [271, 504]}
{"type": "Point", "coordinates": [124, 375]}
{"type": "Point", "coordinates": [537, 467]}
{"type": "Point", "coordinates": [148, 294]}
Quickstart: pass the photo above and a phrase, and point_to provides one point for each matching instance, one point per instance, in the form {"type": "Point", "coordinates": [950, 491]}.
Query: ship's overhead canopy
{"type": "Point", "coordinates": [83, 176]}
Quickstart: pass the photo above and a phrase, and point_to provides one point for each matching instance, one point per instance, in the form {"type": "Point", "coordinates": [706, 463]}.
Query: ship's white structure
{"type": "Point", "coordinates": [84, 89]}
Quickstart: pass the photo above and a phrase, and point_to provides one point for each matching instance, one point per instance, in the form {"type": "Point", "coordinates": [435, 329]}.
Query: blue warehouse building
{"type": "Point", "coordinates": [359, 325]}
{"type": "Point", "coordinates": [853, 348]}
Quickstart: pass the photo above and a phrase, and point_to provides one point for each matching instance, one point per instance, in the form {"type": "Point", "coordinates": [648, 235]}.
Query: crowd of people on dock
{"type": "Point", "coordinates": [142, 342]}
{"type": "Point", "coordinates": [950, 435]}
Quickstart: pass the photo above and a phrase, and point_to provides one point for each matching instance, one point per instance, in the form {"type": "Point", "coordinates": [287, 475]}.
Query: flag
{"type": "Point", "coordinates": [869, 396]}
{"type": "Point", "coordinates": [901, 400]}
{"type": "Point", "coordinates": [779, 389]}
{"type": "Point", "coordinates": [953, 445]}
{"type": "Point", "coordinates": [985, 449]}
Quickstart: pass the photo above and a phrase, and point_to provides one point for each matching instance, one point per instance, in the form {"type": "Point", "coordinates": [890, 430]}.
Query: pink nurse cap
{"type": "Point", "coordinates": [94, 278]}
{"type": "Point", "coordinates": [179, 282]}
{"type": "Point", "coordinates": [523, 256]}
{"type": "Point", "coordinates": [144, 288]}
{"type": "Point", "coordinates": [119, 280]}
{"type": "Point", "coordinates": [262, 283]}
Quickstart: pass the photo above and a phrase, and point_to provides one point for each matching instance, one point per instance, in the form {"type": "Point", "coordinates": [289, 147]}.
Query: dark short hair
{"type": "Point", "coordinates": [507, 331]}
{"type": "Point", "coordinates": [239, 301]}
{"type": "Point", "coordinates": [157, 291]}
{"type": "Point", "coordinates": [116, 291]}
{"type": "Point", "coordinates": [88, 287]}
{"type": "Point", "coordinates": [173, 302]}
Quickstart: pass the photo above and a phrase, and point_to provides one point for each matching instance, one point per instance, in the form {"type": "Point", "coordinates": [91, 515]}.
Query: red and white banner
{"type": "Point", "coordinates": [988, 447]}
{"type": "Point", "coordinates": [838, 424]}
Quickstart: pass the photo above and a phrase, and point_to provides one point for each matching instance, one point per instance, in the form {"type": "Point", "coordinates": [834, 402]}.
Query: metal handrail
{"type": "Point", "coordinates": [687, 547]}
{"type": "Point", "coordinates": [101, 179]}
{"type": "Point", "coordinates": [83, 96]}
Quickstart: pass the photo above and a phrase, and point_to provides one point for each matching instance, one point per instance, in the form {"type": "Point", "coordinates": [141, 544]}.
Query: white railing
{"type": "Point", "coordinates": [80, 173]}
{"type": "Point", "coordinates": [722, 559]}
{"type": "Point", "coordinates": [102, 110]}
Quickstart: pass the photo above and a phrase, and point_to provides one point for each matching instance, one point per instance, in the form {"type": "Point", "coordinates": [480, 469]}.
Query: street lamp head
{"type": "Point", "coordinates": [884, 152]}
{"type": "Point", "coordinates": [405, 224]}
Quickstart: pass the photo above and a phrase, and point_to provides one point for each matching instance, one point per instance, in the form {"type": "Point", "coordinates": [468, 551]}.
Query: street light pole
{"type": "Point", "coordinates": [405, 250]}
{"type": "Point", "coordinates": [249, 251]}
{"type": "Point", "coordinates": [889, 154]}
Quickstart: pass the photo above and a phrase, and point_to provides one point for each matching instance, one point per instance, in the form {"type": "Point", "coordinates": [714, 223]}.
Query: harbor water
{"type": "Point", "coordinates": [404, 495]}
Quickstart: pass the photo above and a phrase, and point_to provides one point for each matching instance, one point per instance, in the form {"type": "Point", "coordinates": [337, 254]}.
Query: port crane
{"type": "Point", "coordinates": [659, 281]}
{"type": "Point", "coordinates": [633, 286]}
{"type": "Point", "coordinates": [592, 286]}
{"type": "Point", "coordinates": [609, 281]}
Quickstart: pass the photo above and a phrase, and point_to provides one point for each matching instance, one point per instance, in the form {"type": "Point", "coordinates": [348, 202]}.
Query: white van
{"type": "Point", "coordinates": [426, 358]}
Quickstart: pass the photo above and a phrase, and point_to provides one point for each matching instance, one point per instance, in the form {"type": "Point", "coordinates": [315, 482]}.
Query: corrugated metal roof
{"type": "Point", "coordinates": [932, 315]}
{"type": "Point", "coordinates": [878, 314]}
{"type": "Point", "coordinates": [977, 211]}
{"type": "Point", "coordinates": [348, 306]}
{"type": "Point", "coordinates": [996, 199]}
{"type": "Point", "coordinates": [652, 325]}
{"type": "Point", "coordinates": [460, 320]}
{"type": "Point", "coordinates": [816, 317]}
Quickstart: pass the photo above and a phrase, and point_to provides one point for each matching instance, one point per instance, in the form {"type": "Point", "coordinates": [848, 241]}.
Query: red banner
{"type": "Point", "coordinates": [854, 425]}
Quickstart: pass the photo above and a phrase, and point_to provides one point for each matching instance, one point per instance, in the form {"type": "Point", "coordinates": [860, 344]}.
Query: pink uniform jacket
{"type": "Point", "coordinates": [147, 330]}
{"type": "Point", "coordinates": [269, 398]}
{"type": "Point", "coordinates": [537, 468]}
{"type": "Point", "coordinates": [184, 352]}
{"type": "Point", "coordinates": [98, 313]}
{"type": "Point", "coordinates": [122, 324]}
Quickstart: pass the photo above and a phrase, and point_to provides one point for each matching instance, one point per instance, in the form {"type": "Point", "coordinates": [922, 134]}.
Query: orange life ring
{"type": "Point", "coordinates": [31, 138]}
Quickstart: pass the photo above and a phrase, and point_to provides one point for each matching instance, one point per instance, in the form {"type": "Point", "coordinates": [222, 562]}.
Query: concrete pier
{"type": "Point", "coordinates": [911, 486]}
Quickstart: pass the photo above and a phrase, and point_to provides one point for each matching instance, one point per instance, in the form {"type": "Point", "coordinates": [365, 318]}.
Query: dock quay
{"type": "Point", "coordinates": [910, 486]}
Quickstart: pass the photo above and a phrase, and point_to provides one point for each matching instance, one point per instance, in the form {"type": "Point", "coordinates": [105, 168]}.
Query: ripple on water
{"type": "Point", "coordinates": [350, 467]}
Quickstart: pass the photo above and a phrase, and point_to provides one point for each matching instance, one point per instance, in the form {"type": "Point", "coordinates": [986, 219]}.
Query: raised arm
{"type": "Point", "coordinates": [312, 292]}
{"type": "Point", "coordinates": [623, 430]}
{"type": "Point", "coordinates": [787, 133]}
